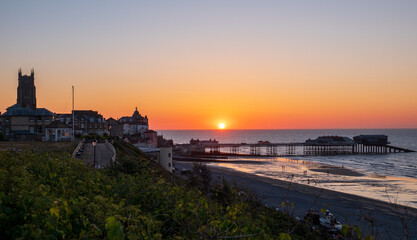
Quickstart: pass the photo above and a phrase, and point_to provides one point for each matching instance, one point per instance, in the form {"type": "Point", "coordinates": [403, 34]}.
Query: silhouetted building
{"type": "Point", "coordinates": [115, 128]}
{"type": "Point", "coordinates": [330, 140]}
{"type": "Point", "coordinates": [111, 122]}
{"type": "Point", "coordinates": [371, 139]}
{"type": "Point", "coordinates": [23, 121]}
{"type": "Point", "coordinates": [26, 91]}
{"type": "Point", "coordinates": [205, 143]}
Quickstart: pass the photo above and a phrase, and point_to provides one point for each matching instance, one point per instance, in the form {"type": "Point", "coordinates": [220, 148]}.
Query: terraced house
{"type": "Point", "coordinates": [85, 122]}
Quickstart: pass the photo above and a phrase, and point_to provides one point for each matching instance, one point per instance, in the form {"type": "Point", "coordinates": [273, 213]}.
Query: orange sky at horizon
{"type": "Point", "coordinates": [240, 102]}
{"type": "Point", "coordinates": [193, 65]}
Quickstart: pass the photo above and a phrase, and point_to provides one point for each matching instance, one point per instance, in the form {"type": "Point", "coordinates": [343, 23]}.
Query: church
{"type": "Point", "coordinates": [24, 121]}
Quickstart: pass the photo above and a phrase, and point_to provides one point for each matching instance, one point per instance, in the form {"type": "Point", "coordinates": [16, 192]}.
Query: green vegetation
{"type": "Point", "coordinates": [45, 194]}
{"type": "Point", "coordinates": [94, 136]}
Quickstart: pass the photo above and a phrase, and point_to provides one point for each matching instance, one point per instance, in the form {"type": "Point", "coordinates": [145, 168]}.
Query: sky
{"type": "Point", "coordinates": [194, 64]}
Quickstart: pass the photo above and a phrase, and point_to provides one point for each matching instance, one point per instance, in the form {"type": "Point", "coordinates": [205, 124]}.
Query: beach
{"type": "Point", "coordinates": [382, 219]}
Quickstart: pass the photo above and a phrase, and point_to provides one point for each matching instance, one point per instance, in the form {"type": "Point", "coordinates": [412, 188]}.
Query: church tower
{"type": "Point", "coordinates": [26, 91]}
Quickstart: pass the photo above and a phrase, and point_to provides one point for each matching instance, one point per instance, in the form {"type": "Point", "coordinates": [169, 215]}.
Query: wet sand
{"type": "Point", "coordinates": [378, 218]}
{"type": "Point", "coordinates": [338, 171]}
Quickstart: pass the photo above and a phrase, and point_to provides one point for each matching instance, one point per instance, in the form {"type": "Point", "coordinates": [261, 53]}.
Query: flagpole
{"type": "Point", "coordinates": [73, 116]}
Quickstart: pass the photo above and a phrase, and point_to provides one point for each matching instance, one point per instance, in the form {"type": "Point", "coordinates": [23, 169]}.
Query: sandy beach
{"type": "Point", "coordinates": [381, 219]}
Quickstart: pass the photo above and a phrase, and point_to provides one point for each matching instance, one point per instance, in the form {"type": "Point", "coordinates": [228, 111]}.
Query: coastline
{"type": "Point", "coordinates": [375, 217]}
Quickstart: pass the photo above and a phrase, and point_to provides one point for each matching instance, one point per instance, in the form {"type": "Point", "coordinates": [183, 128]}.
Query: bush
{"type": "Point", "coordinates": [200, 177]}
{"type": "Point", "coordinates": [49, 195]}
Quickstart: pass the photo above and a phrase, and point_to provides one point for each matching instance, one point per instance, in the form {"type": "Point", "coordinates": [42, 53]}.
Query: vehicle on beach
{"type": "Point", "coordinates": [325, 222]}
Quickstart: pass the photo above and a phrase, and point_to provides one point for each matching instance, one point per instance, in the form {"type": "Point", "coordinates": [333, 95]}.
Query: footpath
{"type": "Point", "coordinates": [102, 156]}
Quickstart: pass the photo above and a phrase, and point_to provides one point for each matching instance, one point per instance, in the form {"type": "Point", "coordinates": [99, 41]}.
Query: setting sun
{"type": "Point", "coordinates": [222, 125]}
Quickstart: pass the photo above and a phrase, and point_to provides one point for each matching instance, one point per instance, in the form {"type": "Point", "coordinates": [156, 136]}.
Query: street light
{"type": "Point", "coordinates": [94, 153]}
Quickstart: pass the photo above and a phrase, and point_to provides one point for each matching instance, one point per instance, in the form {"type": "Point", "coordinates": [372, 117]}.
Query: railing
{"type": "Point", "coordinates": [80, 144]}
{"type": "Point", "coordinates": [112, 149]}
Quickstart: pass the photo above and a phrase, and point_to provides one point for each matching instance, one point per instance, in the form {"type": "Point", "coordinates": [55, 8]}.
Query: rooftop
{"type": "Point", "coordinates": [18, 110]}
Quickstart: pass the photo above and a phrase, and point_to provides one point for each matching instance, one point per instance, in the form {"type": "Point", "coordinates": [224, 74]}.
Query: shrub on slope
{"type": "Point", "coordinates": [48, 195]}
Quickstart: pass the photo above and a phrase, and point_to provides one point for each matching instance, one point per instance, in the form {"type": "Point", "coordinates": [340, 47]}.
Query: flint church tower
{"type": "Point", "coordinates": [26, 91]}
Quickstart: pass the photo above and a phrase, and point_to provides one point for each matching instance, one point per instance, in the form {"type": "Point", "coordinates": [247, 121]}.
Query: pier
{"type": "Point", "coordinates": [300, 149]}
{"type": "Point", "coordinates": [325, 145]}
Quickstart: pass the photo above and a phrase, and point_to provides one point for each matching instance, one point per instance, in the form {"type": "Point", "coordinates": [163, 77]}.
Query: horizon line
{"type": "Point", "coordinates": [249, 129]}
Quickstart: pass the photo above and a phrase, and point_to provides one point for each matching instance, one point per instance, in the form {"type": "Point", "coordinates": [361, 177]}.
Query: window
{"type": "Point", "coordinates": [31, 119]}
{"type": "Point", "coordinates": [169, 155]}
{"type": "Point", "coordinates": [169, 164]}
{"type": "Point", "coordinates": [39, 129]}
{"type": "Point", "coordinates": [7, 119]}
{"type": "Point", "coordinates": [32, 129]}
{"type": "Point", "coordinates": [95, 126]}
{"type": "Point", "coordinates": [47, 119]}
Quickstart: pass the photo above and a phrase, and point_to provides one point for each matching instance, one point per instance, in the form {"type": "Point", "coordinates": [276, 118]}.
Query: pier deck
{"type": "Point", "coordinates": [298, 149]}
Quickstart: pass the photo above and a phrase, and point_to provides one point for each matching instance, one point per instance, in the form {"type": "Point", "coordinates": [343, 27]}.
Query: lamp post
{"type": "Point", "coordinates": [94, 153]}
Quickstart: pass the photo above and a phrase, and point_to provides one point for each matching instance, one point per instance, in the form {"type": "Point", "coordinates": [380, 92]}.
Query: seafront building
{"type": "Point", "coordinates": [162, 156]}
{"type": "Point", "coordinates": [134, 125]}
{"type": "Point", "coordinates": [133, 128]}
{"type": "Point", "coordinates": [23, 120]}
{"type": "Point", "coordinates": [115, 128]}
{"type": "Point", "coordinates": [85, 122]}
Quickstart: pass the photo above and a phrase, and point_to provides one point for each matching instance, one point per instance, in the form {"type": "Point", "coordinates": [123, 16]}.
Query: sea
{"type": "Point", "coordinates": [387, 177]}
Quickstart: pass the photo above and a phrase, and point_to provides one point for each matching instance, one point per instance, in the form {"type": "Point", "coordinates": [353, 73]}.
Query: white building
{"type": "Point", "coordinates": [133, 129]}
{"type": "Point", "coordinates": [163, 156]}
{"type": "Point", "coordinates": [134, 125]}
